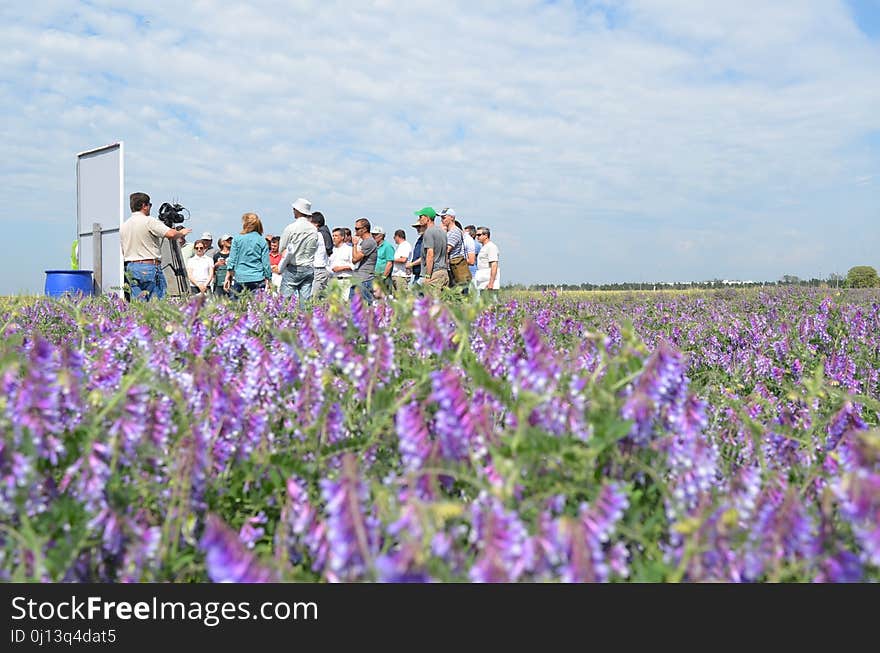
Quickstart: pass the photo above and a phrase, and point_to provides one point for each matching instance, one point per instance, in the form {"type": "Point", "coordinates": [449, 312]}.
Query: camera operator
{"type": "Point", "coordinates": [141, 238]}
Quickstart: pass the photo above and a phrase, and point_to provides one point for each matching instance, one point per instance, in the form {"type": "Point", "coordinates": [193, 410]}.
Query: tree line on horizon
{"type": "Point", "coordinates": [860, 276]}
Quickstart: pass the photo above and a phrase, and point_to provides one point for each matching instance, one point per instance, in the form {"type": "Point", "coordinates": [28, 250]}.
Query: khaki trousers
{"type": "Point", "coordinates": [439, 280]}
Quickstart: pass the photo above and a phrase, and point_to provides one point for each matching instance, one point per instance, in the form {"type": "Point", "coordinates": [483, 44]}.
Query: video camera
{"type": "Point", "coordinates": [173, 214]}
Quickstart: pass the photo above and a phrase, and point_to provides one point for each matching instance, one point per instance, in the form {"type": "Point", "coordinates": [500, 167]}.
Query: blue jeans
{"type": "Point", "coordinates": [239, 287]}
{"type": "Point", "coordinates": [146, 281]}
{"type": "Point", "coordinates": [297, 279]}
{"type": "Point", "coordinates": [366, 288]}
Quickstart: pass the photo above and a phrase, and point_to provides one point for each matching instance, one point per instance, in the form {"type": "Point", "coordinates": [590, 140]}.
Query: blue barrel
{"type": "Point", "coordinates": [64, 282]}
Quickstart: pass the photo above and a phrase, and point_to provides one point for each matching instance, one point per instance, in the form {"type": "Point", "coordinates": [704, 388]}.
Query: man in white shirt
{"type": "Point", "coordinates": [488, 276]}
{"type": "Point", "coordinates": [400, 274]}
{"type": "Point", "coordinates": [340, 263]}
{"type": "Point", "coordinates": [322, 261]}
{"type": "Point", "coordinates": [298, 243]}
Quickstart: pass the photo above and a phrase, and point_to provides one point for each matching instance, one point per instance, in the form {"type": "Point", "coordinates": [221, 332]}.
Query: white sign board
{"type": "Point", "coordinates": [100, 198]}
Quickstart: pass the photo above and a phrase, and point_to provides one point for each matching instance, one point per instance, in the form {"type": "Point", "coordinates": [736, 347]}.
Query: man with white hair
{"type": "Point", "coordinates": [299, 241]}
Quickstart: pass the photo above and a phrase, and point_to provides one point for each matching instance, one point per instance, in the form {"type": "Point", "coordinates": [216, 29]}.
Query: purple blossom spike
{"type": "Point", "coordinates": [849, 417]}
{"type": "Point", "coordinates": [504, 549]}
{"type": "Point", "coordinates": [845, 567]}
{"type": "Point", "coordinates": [782, 532]}
{"type": "Point", "coordinates": [308, 531]}
{"type": "Point", "coordinates": [582, 542]}
{"type": "Point", "coordinates": [659, 393]}
{"type": "Point", "coordinates": [402, 563]}
{"type": "Point", "coordinates": [351, 533]}
{"type": "Point", "coordinates": [858, 491]}
{"type": "Point", "coordinates": [453, 421]}
{"type": "Point", "coordinates": [252, 529]}
{"type": "Point", "coordinates": [226, 558]}
{"type": "Point", "coordinates": [413, 440]}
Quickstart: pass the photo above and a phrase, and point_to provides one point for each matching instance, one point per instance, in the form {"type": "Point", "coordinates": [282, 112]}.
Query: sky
{"type": "Point", "coordinates": [600, 141]}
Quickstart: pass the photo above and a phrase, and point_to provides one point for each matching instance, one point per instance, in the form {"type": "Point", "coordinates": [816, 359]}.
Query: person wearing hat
{"type": "Point", "coordinates": [384, 261]}
{"type": "Point", "coordinates": [456, 257]}
{"type": "Point", "coordinates": [297, 246]}
{"type": "Point", "coordinates": [414, 264]}
{"type": "Point", "coordinates": [208, 240]}
{"type": "Point", "coordinates": [434, 268]}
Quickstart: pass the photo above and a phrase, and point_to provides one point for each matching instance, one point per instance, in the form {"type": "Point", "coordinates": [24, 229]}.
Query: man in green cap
{"type": "Point", "coordinates": [434, 266]}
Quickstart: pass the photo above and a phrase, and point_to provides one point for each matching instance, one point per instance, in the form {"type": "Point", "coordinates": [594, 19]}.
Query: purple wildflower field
{"type": "Point", "coordinates": [657, 437]}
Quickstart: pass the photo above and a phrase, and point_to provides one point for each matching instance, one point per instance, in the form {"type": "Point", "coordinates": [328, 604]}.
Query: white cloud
{"type": "Point", "coordinates": [541, 121]}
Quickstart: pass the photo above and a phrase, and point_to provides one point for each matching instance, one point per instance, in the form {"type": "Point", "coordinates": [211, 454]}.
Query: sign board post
{"type": "Point", "coordinates": [100, 210]}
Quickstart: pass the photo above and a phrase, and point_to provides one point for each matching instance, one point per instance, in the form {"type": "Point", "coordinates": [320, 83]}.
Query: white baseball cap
{"type": "Point", "coordinates": [303, 206]}
{"type": "Point", "coordinates": [450, 212]}
{"type": "Point", "coordinates": [377, 230]}
{"type": "Point", "coordinates": [207, 236]}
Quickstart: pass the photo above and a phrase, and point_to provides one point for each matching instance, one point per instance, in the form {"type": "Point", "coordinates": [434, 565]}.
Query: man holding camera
{"type": "Point", "coordinates": [141, 237]}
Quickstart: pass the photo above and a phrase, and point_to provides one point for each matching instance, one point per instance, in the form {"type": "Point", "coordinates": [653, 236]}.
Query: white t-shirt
{"type": "Point", "coordinates": [199, 268]}
{"type": "Point", "coordinates": [321, 258]}
{"type": "Point", "coordinates": [341, 256]}
{"type": "Point", "coordinates": [488, 254]}
{"type": "Point", "coordinates": [470, 246]}
{"type": "Point", "coordinates": [404, 249]}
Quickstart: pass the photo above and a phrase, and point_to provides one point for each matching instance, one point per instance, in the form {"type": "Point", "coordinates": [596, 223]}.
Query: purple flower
{"type": "Point", "coordinates": [304, 528]}
{"type": "Point", "coordinates": [845, 567]}
{"type": "Point", "coordinates": [504, 549]}
{"type": "Point", "coordinates": [430, 323]}
{"type": "Point", "coordinates": [453, 420]}
{"type": "Point", "coordinates": [252, 530]}
{"type": "Point", "coordinates": [413, 440]}
{"type": "Point", "coordinates": [402, 563]}
{"type": "Point", "coordinates": [781, 533]}
{"type": "Point", "coordinates": [226, 558]}
{"type": "Point", "coordinates": [141, 554]}
{"type": "Point", "coordinates": [658, 394]}
{"type": "Point", "coordinates": [849, 417]}
{"type": "Point", "coordinates": [581, 543]}
{"type": "Point", "coordinates": [352, 534]}
{"type": "Point", "coordinates": [858, 491]}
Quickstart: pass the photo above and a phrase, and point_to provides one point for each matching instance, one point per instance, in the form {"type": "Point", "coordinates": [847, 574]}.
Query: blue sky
{"type": "Point", "coordinates": [600, 140]}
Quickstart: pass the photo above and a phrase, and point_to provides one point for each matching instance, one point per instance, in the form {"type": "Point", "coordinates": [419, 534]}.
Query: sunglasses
{"type": "Point", "coordinates": [200, 249]}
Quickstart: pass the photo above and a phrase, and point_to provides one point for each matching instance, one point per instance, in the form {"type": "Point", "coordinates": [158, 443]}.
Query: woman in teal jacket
{"type": "Point", "coordinates": [247, 267]}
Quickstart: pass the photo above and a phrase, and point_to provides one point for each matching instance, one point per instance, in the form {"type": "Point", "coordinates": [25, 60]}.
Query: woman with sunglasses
{"type": "Point", "coordinates": [200, 269]}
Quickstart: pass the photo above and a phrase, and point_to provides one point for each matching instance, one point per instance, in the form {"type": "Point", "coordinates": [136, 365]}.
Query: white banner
{"type": "Point", "coordinates": [100, 198]}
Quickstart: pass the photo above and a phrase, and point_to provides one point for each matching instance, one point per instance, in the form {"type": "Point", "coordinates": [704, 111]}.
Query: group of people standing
{"type": "Point", "coordinates": [308, 256]}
